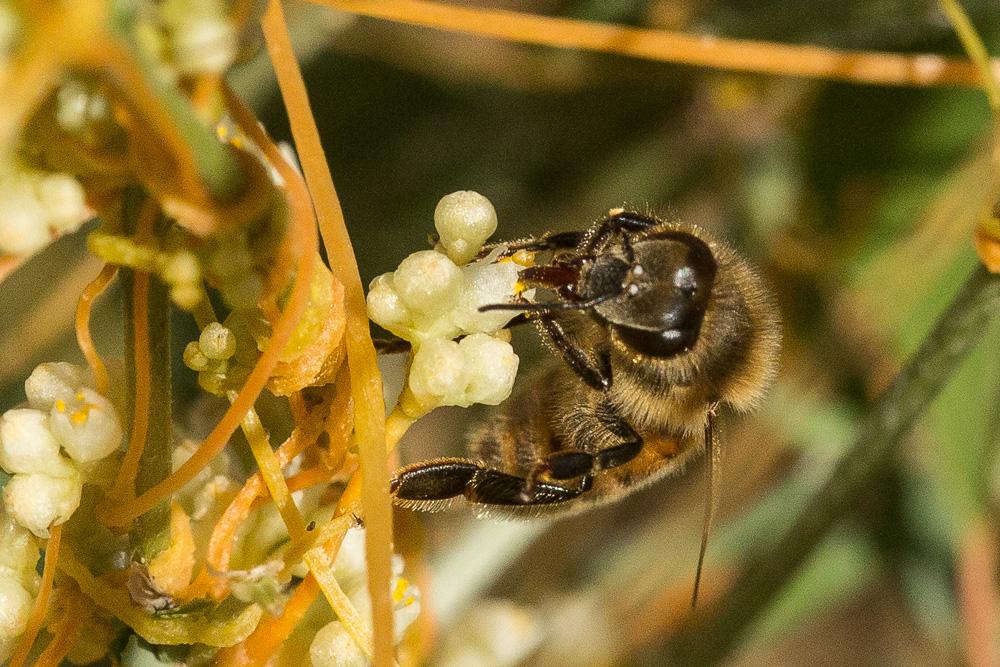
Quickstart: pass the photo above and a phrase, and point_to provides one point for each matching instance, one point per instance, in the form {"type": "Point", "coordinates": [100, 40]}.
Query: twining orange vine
{"type": "Point", "coordinates": [41, 606]}
{"type": "Point", "coordinates": [272, 631]}
{"type": "Point", "coordinates": [66, 633]}
{"type": "Point", "coordinates": [84, 306]}
{"type": "Point", "coordinates": [866, 67]}
{"type": "Point", "coordinates": [366, 381]}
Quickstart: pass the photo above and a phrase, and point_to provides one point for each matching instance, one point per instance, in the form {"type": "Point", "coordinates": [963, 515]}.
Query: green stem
{"type": "Point", "coordinates": [710, 636]}
{"type": "Point", "coordinates": [151, 531]}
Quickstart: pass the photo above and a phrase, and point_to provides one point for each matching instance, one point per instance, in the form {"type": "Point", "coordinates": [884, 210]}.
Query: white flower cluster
{"type": "Point", "coordinates": [50, 446]}
{"type": "Point", "coordinates": [332, 645]}
{"type": "Point", "coordinates": [202, 36]}
{"type": "Point", "coordinates": [434, 297]}
{"type": "Point", "coordinates": [18, 581]}
{"type": "Point", "coordinates": [35, 205]}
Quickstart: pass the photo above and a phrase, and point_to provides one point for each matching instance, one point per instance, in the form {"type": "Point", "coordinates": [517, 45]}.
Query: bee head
{"type": "Point", "coordinates": [662, 284]}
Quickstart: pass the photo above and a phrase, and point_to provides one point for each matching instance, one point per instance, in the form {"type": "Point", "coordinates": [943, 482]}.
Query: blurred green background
{"type": "Point", "coordinates": [857, 202]}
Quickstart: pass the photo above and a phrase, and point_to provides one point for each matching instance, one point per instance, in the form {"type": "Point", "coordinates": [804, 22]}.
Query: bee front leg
{"type": "Point", "coordinates": [597, 376]}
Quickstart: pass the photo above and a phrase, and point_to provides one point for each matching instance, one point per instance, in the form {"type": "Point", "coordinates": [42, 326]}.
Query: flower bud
{"type": "Point", "coordinates": [385, 307]}
{"type": "Point", "coordinates": [438, 373]}
{"type": "Point", "coordinates": [62, 197]}
{"type": "Point", "coordinates": [23, 219]}
{"type": "Point", "coordinates": [428, 282]}
{"type": "Point", "coordinates": [217, 342]}
{"type": "Point", "coordinates": [38, 502]}
{"type": "Point", "coordinates": [493, 367]}
{"type": "Point", "coordinates": [52, 380]}
{"type": "Point", "coordinates": [15, 606]}
{"type": "Point", "coordinates": [28, 446]}
{"type": "Point", "coordinates": [464, 220]}
{"type": "Point", "coordinates": [333, 647]}
{"type": "Point", "coordinates": [18, 553]}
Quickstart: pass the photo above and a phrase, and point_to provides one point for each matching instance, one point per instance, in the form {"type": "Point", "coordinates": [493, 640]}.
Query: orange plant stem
{"type": "Point", "coordinates": [263, 642]}
{"type": "Point", "coordinates": [65, 635]}
{"type": "Point", "coordinates": [865, 67]}
{"type": "Point", "coordinates": [83, 338]}
{"type": "Point", "coordinates": [37, 616]}
{"type": "Point", "coordinates": [366, 382]}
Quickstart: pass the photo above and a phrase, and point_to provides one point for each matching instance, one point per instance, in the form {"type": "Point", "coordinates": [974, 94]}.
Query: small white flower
{"type": "Point", "coordinates": [87, 425]}
{"type": "Point", "coordinates": [333, 647]}
{"type": "Point", "coordinates": [350, 568]}
{"type": "Point", "coordinates": [386, 308]}
{"type": "Point", "coordinates": [464, 220]}
{"type": "Point", "coordinates": [23, 219]}
{"type": "Point", "coordinates": [18, 553]}
{"type": "Point", "coordinates": [485, 283]}
{"type": "Point", "coordinates": [438, 374]}
{"type": "Point", "coordinates": [15, 607]}
{"type": "Point", "coordinates": [53, 380]}
{"type": "Point", "coordinates": [428, 282]}
{"type": "Point", "coordinates": [494, 367]}
{"type": "Point", "coordinates": [28, 446]}
{"type": "Point", "coordinates": [496, 633]}
{"type": "Point", "coordinates": [38, 502]}
{"type": "Point", "coordinates": [204, 44]}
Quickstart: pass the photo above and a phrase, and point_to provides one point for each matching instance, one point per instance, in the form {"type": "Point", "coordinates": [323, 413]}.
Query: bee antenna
{"type": "Point", "coordinates": [712, 498]}
{"type": "Point", "coordinates": [547, 306]}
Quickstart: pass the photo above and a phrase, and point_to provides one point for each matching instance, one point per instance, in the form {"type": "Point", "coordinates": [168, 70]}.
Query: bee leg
{"type": "Point", "coordinates": [595, 376]}
{"type": "Point", "coordinates": [393, 344]}
{"type": "Point", "coordinates": [627, 221]}
{"type": "Point", "coordinates": [433, 480]}
{"type": "Point", "coordinates": [493, 487]}
{"type": "Point", "coordinates": [572, 463]}
{"type": "Point", "coordinates": [552, 241]}
{"type": "Point", "coordinates": [446, 478]}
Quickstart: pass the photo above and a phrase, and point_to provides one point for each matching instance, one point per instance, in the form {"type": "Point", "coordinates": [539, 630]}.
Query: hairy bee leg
{"type": "Point", "coordinates": [628, 221]}
{"type": "Point", "coordinates": [596, 377]}
{"type": "Point", "coordinates": [392, 345]}
{"type": "Point", "coordinates": [556, 241]}
{"type": "Point", "coordinates": [571, 463]}
{"type": "Point", "coordinates": [447, 478]}
{"type": "Point", "coordinates": [397, 345]}
{"type": "Point", "coordinates": [492, 487]}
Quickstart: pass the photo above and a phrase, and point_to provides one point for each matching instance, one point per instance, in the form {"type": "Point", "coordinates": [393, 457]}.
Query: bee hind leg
{"type": "Point", "coordinates": [442, 479]}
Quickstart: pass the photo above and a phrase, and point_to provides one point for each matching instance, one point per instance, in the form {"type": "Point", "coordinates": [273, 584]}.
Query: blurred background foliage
{"type": "Point", "coordinates": [857, 202]}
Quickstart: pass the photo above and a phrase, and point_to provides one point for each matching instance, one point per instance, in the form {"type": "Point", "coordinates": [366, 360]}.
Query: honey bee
{"type": "Point", "coordinates": [659, 326]}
